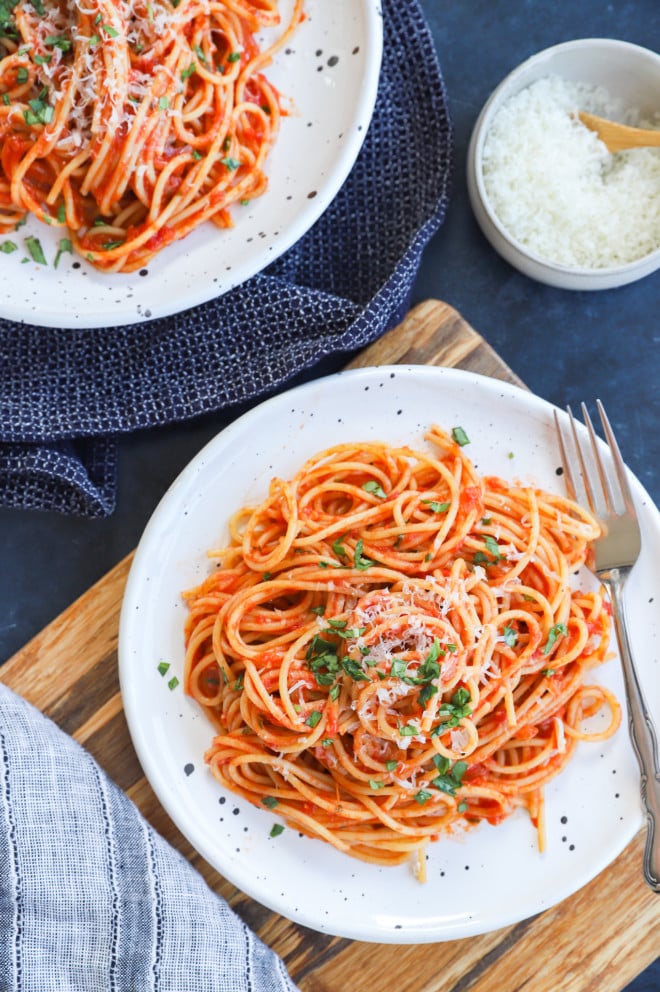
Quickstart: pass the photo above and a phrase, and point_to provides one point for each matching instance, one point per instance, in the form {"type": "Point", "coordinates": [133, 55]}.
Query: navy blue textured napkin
{"type": "Point", "coordinates": [66, 395]}
{"type": "Point", "coordinates": [92, 899]}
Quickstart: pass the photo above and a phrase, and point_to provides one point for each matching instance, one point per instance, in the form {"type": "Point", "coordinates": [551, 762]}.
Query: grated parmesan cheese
{"type": "Point", "coordinates": [556, 188]}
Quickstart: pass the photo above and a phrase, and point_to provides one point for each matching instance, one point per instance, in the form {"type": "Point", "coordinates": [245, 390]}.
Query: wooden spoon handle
{"type": "Point", "coordinates": [617, 137]}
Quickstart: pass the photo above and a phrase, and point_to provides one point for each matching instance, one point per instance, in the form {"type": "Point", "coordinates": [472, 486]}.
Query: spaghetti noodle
{"type": "Point", "coordinates": [131, 122]}
{"type": "Point", "coordinates": [390, 646]}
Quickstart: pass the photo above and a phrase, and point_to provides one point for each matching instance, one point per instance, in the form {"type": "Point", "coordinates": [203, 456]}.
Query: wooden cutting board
{"type": "Point", "coordinates": [598, 939]}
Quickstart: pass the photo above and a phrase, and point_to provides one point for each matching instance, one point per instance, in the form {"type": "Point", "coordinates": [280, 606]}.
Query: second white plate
{"type": "Point", "coordinates": [330, 72]}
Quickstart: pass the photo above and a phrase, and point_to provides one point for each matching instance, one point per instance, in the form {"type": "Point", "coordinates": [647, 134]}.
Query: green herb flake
{"type": "Point", "coordinates": [459, 436]}
{"type": "Point", "coordinates": [450, 778]}
{"type": "Point", "coordinates": [437, 507]}
{"type": "Point", "coordinates": [313, 719]}
{"type": "Point", "coordinates": [422, 796]}
{"type": "Point", "coordinates": [230, 163]}
{"type": "Point", "coordinates": [548, 672]}
{"type": "Point", "coordinates": [338, 547]}
{"type": "Point", "coordinates": [391, 765]}
{"type": "Point", "coordinates": [234, 57]}
{"type": "Point", "coordinates": [276, 830]}
{"type": "Point", "coordinates": [63, 246]}
{"type": "Point", "coordinates": [493, 547]}
{"type": "Point", "coordinates": [407, 730]}
{"type": "Point", "coordinates": [426, 693]}
{"type": "Point", "coordinates": [110, 31]}
{"type": "Point", "coordinates": [510, 636]}
{"type": "Point", "coordinates": [374, 783]}
{"type": "Point", "coordinates": [554, 632]}
{"type": "Point", "coordinates": [57, 41]}
{"type": "Point", "coordinates": [163, 103]}
{"type": "Point", "coordinates": [354, 670]}
{"type": "Point", "coordinates": [173, 683]}
{"type": "Point", "coordinates": [22, 75]}
{"type": "Point", "coordinates": [360, 561]}
{"type": "Point", "coordinates": [35, 250]}
{"type": "Point", "coordinates": [270, 801]}
{"type": "Point", "coordinates": [8, 247]}
{"type": "Point", "coordinates": [374, 488]}
{"type": "Point", "coordinates": [187, 73]}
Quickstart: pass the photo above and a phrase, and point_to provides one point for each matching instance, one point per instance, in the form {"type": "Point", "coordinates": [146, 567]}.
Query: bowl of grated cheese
{"type": "Point", "coordinates": [547, 194]}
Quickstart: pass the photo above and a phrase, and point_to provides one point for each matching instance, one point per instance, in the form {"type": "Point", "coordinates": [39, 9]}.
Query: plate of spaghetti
{"type": "Point", "coordinates": [366, 670]}
{"type": "Point", "coordinates": [156, 153]}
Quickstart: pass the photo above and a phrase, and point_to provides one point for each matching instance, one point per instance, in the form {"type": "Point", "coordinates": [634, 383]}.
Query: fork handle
{"type": "Point", "coordinates": [642, 735]}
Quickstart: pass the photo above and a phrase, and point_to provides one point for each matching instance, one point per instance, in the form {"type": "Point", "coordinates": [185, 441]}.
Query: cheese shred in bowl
{"type": "Point", "coordinates": [555, 187]}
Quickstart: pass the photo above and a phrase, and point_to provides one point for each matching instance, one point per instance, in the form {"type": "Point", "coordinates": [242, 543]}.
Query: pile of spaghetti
{"type": "Point", "coordinates": [131, 122]}
{"type": "Point", "coordinates": [390, 646]}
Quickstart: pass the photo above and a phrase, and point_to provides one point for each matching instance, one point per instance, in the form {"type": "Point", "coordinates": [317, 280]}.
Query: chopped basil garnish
{"type": "Point", "coordinates": [64, 245]}
{"type": "Point", "coordinates": [510, 636]}
{"type": "Point", "coordinates": [459, 436]}
{"type": "Point", "coordinates": [58, 41]}
{"type": "Point", "coordinates": [359, 559]}
{"type": "Point", "coordinates": [450, 777]}
{"type": "Point", "coordinates": [33, 246]}
{"type": "Point", "coordinates": [374, 487]}
{"type": "Point", "coordinates": [453, 712]}
{"type": "Point", "coordinates": [553, 634]}
{"type": "Point", "coordinates": [422, 796]}
{"type": "Point", "coordinates": [354, 670]}
{"type": "Point", "coordinates": [437, 507]}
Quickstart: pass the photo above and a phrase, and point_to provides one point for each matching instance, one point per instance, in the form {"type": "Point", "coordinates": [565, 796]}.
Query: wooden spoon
{"type": "Point", "coordinates": [616, 137]}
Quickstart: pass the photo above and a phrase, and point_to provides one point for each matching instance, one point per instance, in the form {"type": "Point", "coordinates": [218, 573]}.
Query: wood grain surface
{"type": "Point", "coordinates": [598, 939]}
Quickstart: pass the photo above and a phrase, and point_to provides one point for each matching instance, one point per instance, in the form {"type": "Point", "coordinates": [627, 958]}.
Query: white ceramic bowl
{"type": "Point", "coordinates": [628, 72]}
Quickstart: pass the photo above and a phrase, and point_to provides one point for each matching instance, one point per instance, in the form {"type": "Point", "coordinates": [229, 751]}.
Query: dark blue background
{"type": "Point", "coordinates": [565, 346]}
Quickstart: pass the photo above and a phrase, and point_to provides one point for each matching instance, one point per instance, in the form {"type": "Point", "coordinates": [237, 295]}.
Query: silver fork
{"type": "Point", "coordinates": [601, 482]}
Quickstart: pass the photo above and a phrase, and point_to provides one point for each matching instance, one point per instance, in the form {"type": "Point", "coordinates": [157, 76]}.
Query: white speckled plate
{"type": "Point", "coordinates": [330, 71]}
{"type": "Point", "coordinates": [491, 877]}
